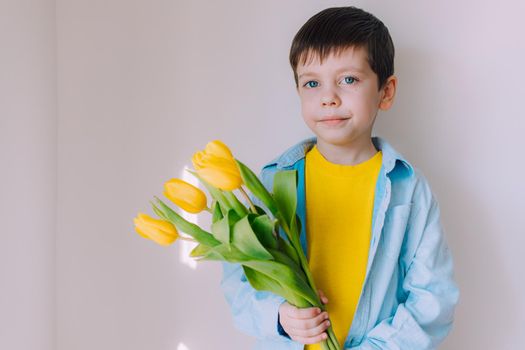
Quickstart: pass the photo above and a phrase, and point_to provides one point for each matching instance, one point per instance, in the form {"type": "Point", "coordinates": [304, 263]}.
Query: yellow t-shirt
{"type": "Point", "coordinates": [339, 204]}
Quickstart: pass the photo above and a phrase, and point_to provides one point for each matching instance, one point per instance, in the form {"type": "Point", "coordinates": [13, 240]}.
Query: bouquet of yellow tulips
{"type": "Point", "coordinates": [272, 261]}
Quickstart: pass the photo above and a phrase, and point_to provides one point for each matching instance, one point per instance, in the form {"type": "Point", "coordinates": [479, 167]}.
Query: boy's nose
{"type": "Point", "coordinates": [330, 100]}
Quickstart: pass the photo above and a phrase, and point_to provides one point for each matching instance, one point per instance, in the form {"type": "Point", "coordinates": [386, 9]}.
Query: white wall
{"type": "Point", "coordinates": [144, 84]}
{"type": "Point", "coordinates": [28, 174]}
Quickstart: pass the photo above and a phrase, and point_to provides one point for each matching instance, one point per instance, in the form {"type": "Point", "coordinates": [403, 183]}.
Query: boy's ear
{"type": "Point", "coordinates": [388, 92]}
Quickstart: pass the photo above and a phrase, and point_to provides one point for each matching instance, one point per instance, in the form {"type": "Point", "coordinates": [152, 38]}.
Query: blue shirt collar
{"type": "Point", "coordinates": [391, 158]}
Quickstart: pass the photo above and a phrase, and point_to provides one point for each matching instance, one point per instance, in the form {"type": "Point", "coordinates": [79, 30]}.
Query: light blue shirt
{"type": "Point", "coordinates": [409, 293]}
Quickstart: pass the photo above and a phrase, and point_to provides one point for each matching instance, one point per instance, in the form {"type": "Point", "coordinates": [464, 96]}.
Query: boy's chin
{"type": "Point", "coordinates": [336, 140]}
{"type": "Point", "coordinates": [333, 139]}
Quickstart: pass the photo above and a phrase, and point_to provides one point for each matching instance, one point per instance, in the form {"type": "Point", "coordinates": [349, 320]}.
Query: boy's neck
{"type": "Point", "coordinates": [348, 154]}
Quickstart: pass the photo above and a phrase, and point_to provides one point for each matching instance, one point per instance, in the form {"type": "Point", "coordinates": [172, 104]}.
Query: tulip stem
{"type": "Point", "coordinates": [252, 207]}
{"type": "Point", "coordinates": [187, 239]}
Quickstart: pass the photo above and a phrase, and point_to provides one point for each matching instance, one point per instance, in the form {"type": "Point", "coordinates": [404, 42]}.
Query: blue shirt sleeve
{"type": "Point", "coordinates": [254, 312]}
{"type": "Point", "coordinates": [280, 328]}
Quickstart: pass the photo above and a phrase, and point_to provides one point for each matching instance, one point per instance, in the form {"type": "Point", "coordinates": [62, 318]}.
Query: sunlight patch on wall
{"type": "Point", "coordinates": [181, 346]}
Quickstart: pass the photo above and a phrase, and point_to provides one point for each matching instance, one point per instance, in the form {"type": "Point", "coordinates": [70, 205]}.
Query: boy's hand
{"type": "Point", "coordinates": [306, 325]}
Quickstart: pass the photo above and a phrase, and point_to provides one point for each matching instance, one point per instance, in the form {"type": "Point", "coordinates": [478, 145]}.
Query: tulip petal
{"type": "Point", "coordinates": [185, 195]}
{"type": "Point", "coordinates": [160, 231]}
{"type": "Point", "coordinates": [197, 160]}
{"type": "Point", "coordinates": [217, 166]}
{"type": "Point", "coordinates": [139, 231]}
{"type": "Point", "coordinates": [160, 225]}
{"type": "Point", "coordinates": [218, 149]}
{"type": "Point", "coordinates": [220, 179]}
{"type": "Point", "coordinates": [216, 193]}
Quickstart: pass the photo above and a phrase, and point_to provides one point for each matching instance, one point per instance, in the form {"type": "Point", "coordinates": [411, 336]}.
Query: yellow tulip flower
{"type": "Point", "coordinates": [185, 195]}
{"type": "Point", "coordinates": [217, 166]}
{"type": "Point", "coordinates": [218, 149]}
{"type": "Point", "coordinates": [159, 231]}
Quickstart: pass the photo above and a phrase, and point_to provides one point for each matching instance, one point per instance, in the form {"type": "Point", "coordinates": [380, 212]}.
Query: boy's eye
{"type": "Point", "coordinates": [309, 84]}
{"type": "Point", "coordinates": [349, 80]}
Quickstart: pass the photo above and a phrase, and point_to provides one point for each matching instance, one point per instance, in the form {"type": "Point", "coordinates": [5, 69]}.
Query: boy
{"type": "Point", "coordinates": [370, 223]}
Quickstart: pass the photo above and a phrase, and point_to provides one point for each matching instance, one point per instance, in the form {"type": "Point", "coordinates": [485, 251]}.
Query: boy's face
{"type": "Point", "coordinates": [340, 98]}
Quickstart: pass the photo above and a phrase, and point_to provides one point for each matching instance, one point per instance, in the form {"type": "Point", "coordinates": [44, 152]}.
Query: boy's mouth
{"type": "Point", "coordinates": [333, 120]}
{"type": "Point", "coordinates": [330, 118]}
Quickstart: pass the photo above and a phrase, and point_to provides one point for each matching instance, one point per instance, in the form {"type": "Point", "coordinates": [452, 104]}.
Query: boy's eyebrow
{"type": "Point", "coordinates": [342, 69]}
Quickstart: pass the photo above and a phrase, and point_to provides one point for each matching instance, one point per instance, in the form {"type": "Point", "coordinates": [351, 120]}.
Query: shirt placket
{"type": "Point", "coordinates": [383, 190]}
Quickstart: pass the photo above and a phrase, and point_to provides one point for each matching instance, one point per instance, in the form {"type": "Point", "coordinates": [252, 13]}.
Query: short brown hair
{"type": "Point", "coordinates": [337, 28]}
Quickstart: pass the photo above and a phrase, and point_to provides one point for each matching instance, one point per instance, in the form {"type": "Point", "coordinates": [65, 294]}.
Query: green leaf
{"type": "Point", "coordinates": [284, 258]}
{"type": "Point", "coordinates": [246, 240]}
{"type": "Point", "coordinates": [260, 210]}
{"type": "Point", "coordinates": [285, 193]}
{"type": "Point", "coordinates": [262, 282]}
{"type": "Point", "coordinates": [256, 187]}
{"type": "Point", "coordinates": [182, 224]}
{"type": "Point", "coordinates": [263, 228]}
{"type": "Point", "coordinates": [287, 276]}
{"type": "Point", "coordinates": [217, 212]}
{"type": "Point", "coordinates": [295, 230]}
{"type": "Point", "coordinates": [282, 277]}
{"type": "Point", "coordinates": [240, 209]}
{"type": "Point", "coordinates": [159, 212]}
{"type": "Point", "coordinates": [221, 229]}
{"type": "Point", "coordinates": [289, 250]}
{"type": "Point", "coordinates": [298, 225]}
{"type": "Point", "coordinates": [199, 250]}
{"type": "Point", "coordinates": [225, 252]}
